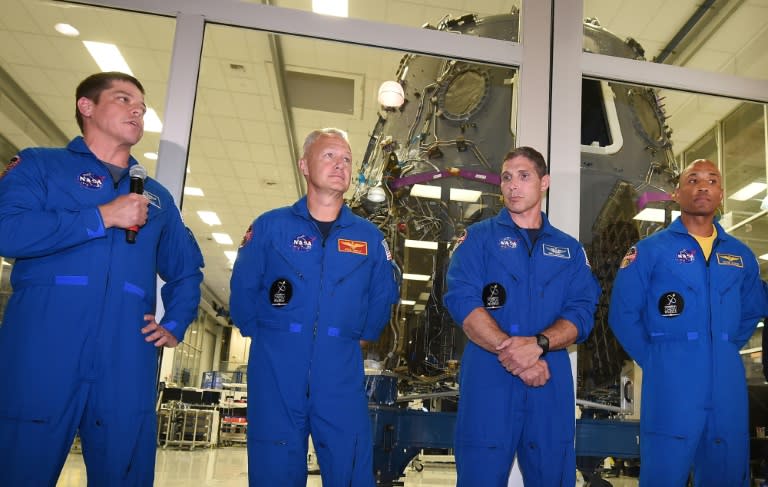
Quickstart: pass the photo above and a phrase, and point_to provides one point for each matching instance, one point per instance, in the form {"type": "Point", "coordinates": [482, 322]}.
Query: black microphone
{"type": "Point", "coordinates": [138, 174]}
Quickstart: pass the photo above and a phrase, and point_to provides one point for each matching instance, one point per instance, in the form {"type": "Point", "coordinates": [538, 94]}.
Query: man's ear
{"type": "Point", "coordinates": [85, 106]}
{"type": "Point", "coordinates": [303, 166]}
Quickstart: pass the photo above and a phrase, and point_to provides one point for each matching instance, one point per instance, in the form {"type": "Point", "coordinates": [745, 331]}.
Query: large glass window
{"type": "Point", "coordinates": [714, 36]}
{"type": "Point", "coordinates": [255, 107]}
{"type": "Point", "coordinates": [447, 16]}
{"type": "Point", "coordinates": [627, 196]}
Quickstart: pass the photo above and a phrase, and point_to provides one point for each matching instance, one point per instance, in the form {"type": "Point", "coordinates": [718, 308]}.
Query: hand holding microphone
{"type": "Point", "coordinates": [130, 210]}
{"type": "Point", "coordinates": [138, 174]}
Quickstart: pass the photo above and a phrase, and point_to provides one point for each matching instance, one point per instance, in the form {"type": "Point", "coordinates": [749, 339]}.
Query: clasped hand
{"type": "Point", "coordinates": [521, 357]}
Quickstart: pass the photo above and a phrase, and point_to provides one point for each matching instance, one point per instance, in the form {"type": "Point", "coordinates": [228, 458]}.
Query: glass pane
{"type": "Point", "coordinates": [40, 69]}
{"type": "Point", "coordinates": [477, 17]}
{"type": "Point", "coordinates": [724, 37]}
{"type": "Point", "coordinates": [451, 133]}
{"type": "Point", "coordinates": [626, 195]}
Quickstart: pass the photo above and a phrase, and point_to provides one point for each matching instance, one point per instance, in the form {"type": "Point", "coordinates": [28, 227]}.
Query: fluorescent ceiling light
{"type": "Point", "coordinates": [231, 255]}
{"type": "Point", "coordinates": [409, 302]}
{"type": "Point", "coordinates": [468, 195]}
{"type": "Point", "coordinates": [764, 257]}
{"type": "Point", "coordinates": [151, 155]}
{"type": "Point", "coordinates": [654, 215]}
{"type": "Point", "coordinates": [760, 324]}
{"type": "Point", "coordinates": [424, 191]}
{"type": "Point", "coordinates": [152, 122]}
{"type": "Point", "coordinates": [66, 30]}
{"type": "Point", "coordinates": [192, 191]}
{"type": "Point", "coordinates": [419, 307]}
{"type": "Point", "coordinates": [209, 217]}
{"type": "Point", "coordinates": [748, 191]}
{"type": "Point", "coordinates": [421, 244]}
{"type": "Point", "coordinates": [416, 277]}
{"type": "Point", "coordinates": [107, 56]}
{"type": "Point", "coordinates": [338, 8]}
{"type": "Point", "coordinates": [222, 238]}
{"type": "Point", "coordinates": [5, 262]}
{"type": "Point", "coordinates": [748, 351]}
{"type": "Point", "coordinates": [423, 296]}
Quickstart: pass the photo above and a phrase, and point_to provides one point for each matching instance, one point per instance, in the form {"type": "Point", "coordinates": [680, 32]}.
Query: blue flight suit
{"type": "Point", "coordinates": [683, 319]}
{"type": "Point", "coordinates": [525, 286]}
{"type": "Point", "coordinates": [72, 354]}
{"type": "Point", "coordinates": [306, 302]}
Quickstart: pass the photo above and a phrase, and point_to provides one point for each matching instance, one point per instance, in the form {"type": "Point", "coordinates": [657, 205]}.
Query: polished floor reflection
{"type": "Point", "coordinates": [227, 467]}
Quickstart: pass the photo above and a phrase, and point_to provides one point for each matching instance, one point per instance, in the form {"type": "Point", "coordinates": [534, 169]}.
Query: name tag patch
{"type": "Point", "coordinates": [560, 252]}
{"type": "Point", "coordinates": [730, 260]}
{"type": "Point", "coordinates": [154, 200]}
{"type": "Point", "coordinates": [353, 246]}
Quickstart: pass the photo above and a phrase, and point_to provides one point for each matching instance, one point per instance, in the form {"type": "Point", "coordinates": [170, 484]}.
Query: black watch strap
{"type": "Point", "coordinates": [543, 342]}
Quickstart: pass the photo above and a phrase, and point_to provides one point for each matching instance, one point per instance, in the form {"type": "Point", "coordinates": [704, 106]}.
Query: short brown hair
{"type": "Point", "coordinates": [92, 86]}
{"type": "Point", "coordinates": [532, 155]}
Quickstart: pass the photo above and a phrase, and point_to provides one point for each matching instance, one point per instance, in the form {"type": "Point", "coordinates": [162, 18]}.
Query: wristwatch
{"type": "Point", "coordinates": [543, 342]}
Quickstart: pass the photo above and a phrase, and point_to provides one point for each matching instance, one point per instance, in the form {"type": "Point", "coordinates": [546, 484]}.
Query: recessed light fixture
{"type": "Point", "coordinates": [467, 195]}
{"type": "Point", "coordinates": [764, 257]}
{"type": "Point", "coordinates": [231, 255]}
{"type": "Point", "coordinates": [107, 56]}
{"type": "Point", "coordinates": [152, 122]}
{"type": "Point", "coordinates": [209, 217]}
{"type": "Point", "coordinates": [425, 191]}
{"type": "Point", "coordinates": [421, 244]}
{"type": "Point", "coordinates": [222, 238]}
{"type": "Point", "coordinates": [192, 191]}
{"type": "Point", "coordinates": [409, 302]}
{"type": "Point", "coordinates": [151, 155]}
{"type": "Point", "coordinates": [416, 277]}
{"type": "Point", "coordinates": [66, 29]}
{"type": "Point", "coordinates": [748, 191]}
{"type": "Point", "coordinates": [337, 8]}
{"type": "Point", "coordinates": [654, 215]}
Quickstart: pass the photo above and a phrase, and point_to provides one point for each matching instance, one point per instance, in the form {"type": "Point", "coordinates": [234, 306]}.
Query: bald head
{"type": "Point", "coordinates": [699, 190]}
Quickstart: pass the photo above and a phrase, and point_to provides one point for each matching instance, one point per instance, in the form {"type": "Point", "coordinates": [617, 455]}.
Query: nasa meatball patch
{"type": "Point", "coordinates": [15, 160]}
{"type": "Point", "coordinates": [302, 243]}
{"type": "Point", "coordinates": [91, 180]}
{"type": "Point", "coordinates": [686, 256]}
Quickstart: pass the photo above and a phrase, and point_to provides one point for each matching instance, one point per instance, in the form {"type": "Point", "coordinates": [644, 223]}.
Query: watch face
{"type": "Point", "coordinates": [543, 342]}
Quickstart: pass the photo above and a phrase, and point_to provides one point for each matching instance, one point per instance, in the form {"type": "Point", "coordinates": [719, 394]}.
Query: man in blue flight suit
{"type": "Point", "coordinates": [685, 300]}
{"type": "Point", "coordinates": [311, 283]}
{"type": "Point", "coordinates": [79, 337]}
{"type": "Point", "coordinates": [522, 291]}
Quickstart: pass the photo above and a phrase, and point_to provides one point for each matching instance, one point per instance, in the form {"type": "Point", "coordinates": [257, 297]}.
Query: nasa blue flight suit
{"type": "Point", "coordinates": [683, 319]}
{"type": "Point", "coordinates": [525, 286]}
{"type": "Point", "coordinates": [72, 354]}
{"type": "Point", "coordinates": [306, 302]}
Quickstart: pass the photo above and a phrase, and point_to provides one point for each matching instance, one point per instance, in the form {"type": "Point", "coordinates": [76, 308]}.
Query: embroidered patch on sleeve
{"type": "Point", "coordinates": [629, 258]}
{"type": "Point", "coordinates": [386, 249]}
{"type": "Point", "coordinates": [15, 160]}
{"type": "Point", "coordinates": [247, 237]}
